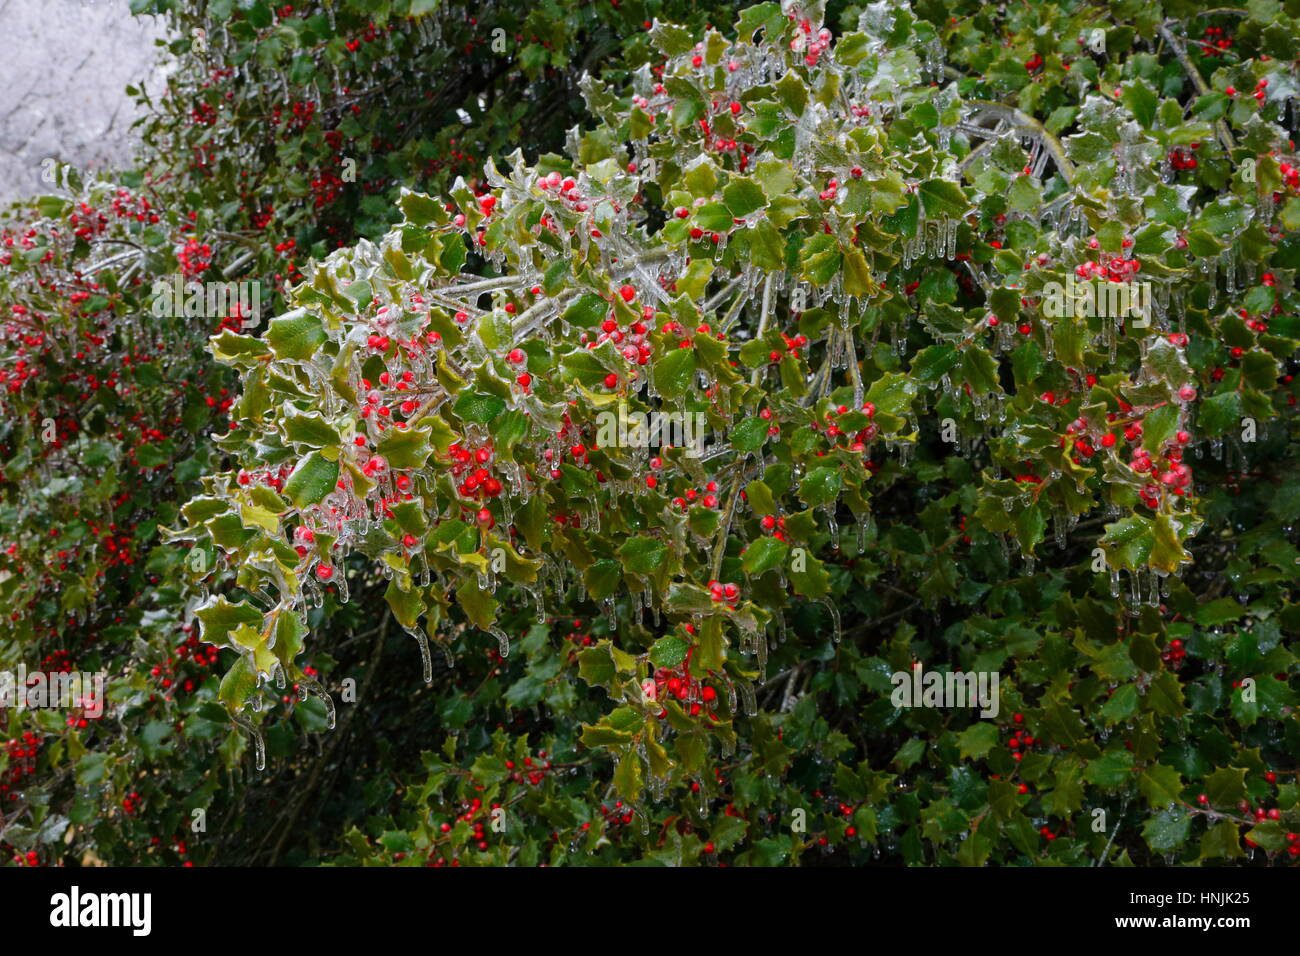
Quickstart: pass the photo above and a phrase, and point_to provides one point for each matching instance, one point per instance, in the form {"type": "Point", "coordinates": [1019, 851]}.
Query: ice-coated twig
{"type": "Point", "coordinates": [762, 321]}
{"type": "Point", "coordinates": [1025, 123]}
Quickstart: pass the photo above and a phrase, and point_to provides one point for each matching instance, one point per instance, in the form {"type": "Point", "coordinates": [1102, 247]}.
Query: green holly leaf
{"type": "Point", "coordinates": [296, 335]}
{"type": "Point", "coordinates": [668, 651]}
{"type": "Point", "coordinates": [977, 740]}
{"type": "Point", "coordinates": [312, 479]}
{"type": "Point", "coordinates": [763, 555]}
{"type": "Point", "coordinates": [237, 686]}
{"type": "Point", "coordinates": [478, 408]}
{"type": "Point", "coordinates": [643, 555]}
{"type": "Point", "coordinates": [674, 373]}
{"type": "Point", "coordinates": [1167, 830]}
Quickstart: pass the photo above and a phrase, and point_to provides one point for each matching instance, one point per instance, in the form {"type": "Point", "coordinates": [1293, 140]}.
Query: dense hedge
{"type": "Point", "coordinates": [843, 247]}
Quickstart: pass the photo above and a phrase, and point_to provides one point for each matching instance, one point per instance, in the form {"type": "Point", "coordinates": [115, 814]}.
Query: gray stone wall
{"type": "Point", "coordinates": [64, 65]}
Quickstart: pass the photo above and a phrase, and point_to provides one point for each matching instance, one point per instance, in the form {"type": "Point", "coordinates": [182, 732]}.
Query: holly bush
{"type": "Point", "coordinates": [884, 262]}
{"type": "Point", "coordinates": [109, 406]}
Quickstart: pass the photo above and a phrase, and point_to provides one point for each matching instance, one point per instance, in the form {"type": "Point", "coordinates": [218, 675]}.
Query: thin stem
{"type": "Point", "coordinates": [724, 528]}
{"type": "Point", "coordinates": [1198, 81]}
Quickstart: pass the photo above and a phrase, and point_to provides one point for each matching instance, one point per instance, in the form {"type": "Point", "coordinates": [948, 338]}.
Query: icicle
{"type": "Point", "coordinates": [836, 632]}
{"type": "Point", "coordinates": [259, 745]}
{"type": "Point", "coordinates": [446, 653]}
{"type": "Point", "coordinates": [426, 662]}
{"type": "Point", "coordinates": [306, 684]}
{"type": "Point", "coordinates": [503, 639]}
{"type": "Point", "coordinates": [748, 697]}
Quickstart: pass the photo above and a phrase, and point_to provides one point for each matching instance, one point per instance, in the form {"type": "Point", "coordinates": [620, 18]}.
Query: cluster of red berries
{"type": "Point", "coordinates": [773, 525]}
{"type": "Point", "coordinates": [564, 188]}
{"type": "Point", "coordinates": [1049, 834]}
{"type": "Point", "coordinates": [1215, 42]}
{"type": "Point", "coordinates": [473, 808]}
{"type": "Point", "coordinates": [855, 440]}
{"type": "Point", "coordinates": [633, 342]}
{"type": "Point", "coordinates": [1260, 91]}
{"type": "Point", "coordinates": [1021, 740]}
{"type": "Point", "coordinates": [191, 648]}
{"type": "Point", "coordinates": [571, 435]}
{"type": "Point", "coordinates": [1291, 174]}
{"type": "Point", "coordinates": [325, 187]}
{"type": "Point", "coordinates": [194, 258]}
{"type": "Point", "coordinates": [529, 770]}
{"type": "Point", "coordinates": [720, 593]}
{"type": "Point", "coordinates": [725, 144]}
{"type": "Point", "coordinates": [1175, 654]}
{"type": "Point", "coordinates": [677, 682]}
{"type": "Point", "coordinates": [22, 762]}
{"type": "Point", "coordinates": [692, 495]}
{"type": "Point", "coordinates": [372, 33]}
{"type": "Point", "coordinates": [58, 662]}
{"type": "Point", "coordinates": [1034, 62]}
{"type": "Point", "coordinates": [793, 343]}
{"type": "Point", "coordinates": [89, 222]}
{"type": "Point", "coordinates": [234, 321]}
{"type": "Point", "coordinates": [474, 465]}
{"type": "Point", "coordinates": [203, 114]}
{"type": "Point", "coordinates": [131, 803]}
{"type": "Point", "coordinates": [1257, 325]}
{"type": "Point", "coordinates": [290, 699]}
{"type": "Point", "coordinates": [116, 544]}
{"type": "Point", "coordinates": [1116, 269]}
{"type": "Point", "coordinates": [25, 242]}
{"type": "Point", "coordinates": [300, 116]}
{"type": "Point", "coordinates": [810, 45]}
{"type": "Point", "coordinates": [616, 817]}
{"type": "Point", "coordinates": [580, 636]}
{"type": "Point", "coordinates": [216, 75]}
{"type": "Point", "coordinates": [15, 378]}
{"type": "Point", "coordinates": [1168, 469]}
{"type": "Point", "coordinates": [1181, 157]}
{"type": "Point", "coordinates": [832, 189]}
{"type": "Point", "coordinates": [273, 478]}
